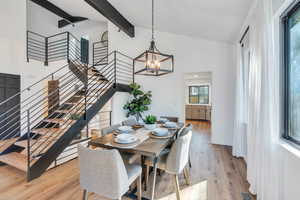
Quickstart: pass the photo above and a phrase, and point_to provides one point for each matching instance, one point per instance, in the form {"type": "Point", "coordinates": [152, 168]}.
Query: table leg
{"type": "Point", "coordinates": [154, 177]}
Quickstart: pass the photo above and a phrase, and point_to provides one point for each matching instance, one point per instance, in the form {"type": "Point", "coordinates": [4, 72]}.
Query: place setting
{"type": "Point", "coordinates": [161, 133]}
{"type": "Point", "coordinates": [124, 137]}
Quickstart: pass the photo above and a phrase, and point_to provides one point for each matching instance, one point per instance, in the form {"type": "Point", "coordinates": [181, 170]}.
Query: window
{"type": "Point", "coordinates": [199, 94]}
{"type": "Point", "coordinates": [291, 79]}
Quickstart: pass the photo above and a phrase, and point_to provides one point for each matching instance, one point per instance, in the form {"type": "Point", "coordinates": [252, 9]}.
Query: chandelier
{"type": "Point", "coordinates": [152, 62]}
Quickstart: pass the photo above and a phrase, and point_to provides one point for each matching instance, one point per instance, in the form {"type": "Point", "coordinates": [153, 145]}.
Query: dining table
{"type": "Point", "coordinates": [146, 146]}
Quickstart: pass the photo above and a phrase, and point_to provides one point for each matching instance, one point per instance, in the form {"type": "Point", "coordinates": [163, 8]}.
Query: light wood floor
{"type": "Point", "coordinates": [215, 175]}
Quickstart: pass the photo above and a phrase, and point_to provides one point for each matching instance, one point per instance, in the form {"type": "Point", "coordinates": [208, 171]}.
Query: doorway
{"type": "Point", "coordinates": [10, 110]}
{"type": "Point", "coordinates": [198, 101]}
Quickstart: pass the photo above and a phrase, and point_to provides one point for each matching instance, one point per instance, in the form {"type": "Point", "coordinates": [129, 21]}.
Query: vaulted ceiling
{"type": "Point", "coordinates": [212, 19]}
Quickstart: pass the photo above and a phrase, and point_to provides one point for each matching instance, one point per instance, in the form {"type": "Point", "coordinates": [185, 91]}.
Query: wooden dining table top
{"type": "Point", "coordinates": [146, 145]}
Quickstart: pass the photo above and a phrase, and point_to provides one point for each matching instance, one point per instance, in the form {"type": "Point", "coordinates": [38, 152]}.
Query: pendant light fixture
{"type": "Point", "coordinates": [152, 62]}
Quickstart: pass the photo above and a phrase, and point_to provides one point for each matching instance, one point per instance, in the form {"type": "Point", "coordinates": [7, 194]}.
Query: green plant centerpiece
{"type": "Point", "coordinates": [150, 122]}
{"type": "Point", "coordinates": [139, 103]}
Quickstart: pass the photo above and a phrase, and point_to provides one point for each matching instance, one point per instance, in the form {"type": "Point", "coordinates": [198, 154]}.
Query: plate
{"type": "Point", "coordinates": [125, 139]}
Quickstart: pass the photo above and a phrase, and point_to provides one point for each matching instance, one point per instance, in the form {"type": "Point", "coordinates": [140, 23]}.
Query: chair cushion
{"type": "Point", "coordinates": [133, 171]}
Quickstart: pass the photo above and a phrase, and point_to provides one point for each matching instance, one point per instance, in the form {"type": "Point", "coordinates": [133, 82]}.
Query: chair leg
{"type": "Point", "coordinates": [85, 195]}
{"type": "Point", "coordinates": [187, 176]}
{"type": "Point", "coordinates": [154, 180]}
{"type": "Point", "coordinates": [147, 177]}
{"type": "Point", "coordinates": [176, 183]}
{"type": "Point", "coordinates": [139, 187]}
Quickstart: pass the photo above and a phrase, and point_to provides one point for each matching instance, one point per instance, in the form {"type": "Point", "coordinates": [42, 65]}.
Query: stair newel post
{"type": "Point", "coordinates": [46, 51]}
{"type": "Point", "coordinates": [27, 46]}
{"type": "Point", "coordinates": [28, 141]}
{"type": "Point", "coordinates": [85, 101]}
{"type": "Point", "coordinates": [115, 67]}
{"type": "Point", "coordinates": [68, 47]}
{"type": "Point", "coordinates": [133, 69]}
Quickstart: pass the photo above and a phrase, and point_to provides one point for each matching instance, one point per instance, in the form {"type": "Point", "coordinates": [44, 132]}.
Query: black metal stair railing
{"type": "Point", "coordinates": [100, 52]}
{"type": "Point", "coordinates": [61, 46]}
{"type": "Point", "coordinates": [42, 117]}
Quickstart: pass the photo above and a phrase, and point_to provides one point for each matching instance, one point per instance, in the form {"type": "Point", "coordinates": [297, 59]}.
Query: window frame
{"type": "Point", "coordinates": [285, 69]}
{"type": "Point", "coordinates": [198, 86]}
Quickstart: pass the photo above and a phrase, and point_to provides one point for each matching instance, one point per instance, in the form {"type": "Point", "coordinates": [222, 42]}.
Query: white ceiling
{"type": "Point", "coordinates": [212, 19]}
{"type": "Point", "coordinates": [79, 8]}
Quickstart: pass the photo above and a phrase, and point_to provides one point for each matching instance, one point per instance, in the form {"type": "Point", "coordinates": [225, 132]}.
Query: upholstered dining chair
{"type": "Point", "coordinates": [176, 160]}
{"type": "Point", "coordinates": [110, 129]}
{"type": "Point", "coordinates": [130, 122]}
{"type": "Point", "coordinates": [127, 157]}
{"type": "Point", "coordinates": [103, 172]}
{"type": "Point", "coordinates": [171, 119]}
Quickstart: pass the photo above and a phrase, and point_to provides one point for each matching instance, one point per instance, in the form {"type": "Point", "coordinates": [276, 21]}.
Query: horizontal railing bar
{"type": "Point", "coordinates": [36, 34]}
{"type": "Point", "coordinates": [62, 33]}
{"type": "Point", "coordinates": [55, 42]}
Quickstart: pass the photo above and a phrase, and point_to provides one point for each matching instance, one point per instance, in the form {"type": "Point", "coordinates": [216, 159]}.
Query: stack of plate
{"type": "Point", "coordinates": [160, 132]}
{"type": "Point", "coordinates": [125, 139]}
{"type": "Point", "coordinates": [125, 129]}
{"type": "Point", "coordinates": [170, 125]}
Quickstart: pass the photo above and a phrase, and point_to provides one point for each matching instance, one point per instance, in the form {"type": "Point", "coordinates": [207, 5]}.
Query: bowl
{"type": "Point", "coordinates": [125, 129]}
{"type": "Point", "coordinates": [161, 132]}
{"type": "Point", "coordinates": [170, 125]}
{"type": "Point", "coordinates": [163, 120]}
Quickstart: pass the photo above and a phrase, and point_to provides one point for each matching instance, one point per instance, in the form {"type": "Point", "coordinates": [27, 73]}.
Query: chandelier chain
{"type": "Point", "coordinates": [152, 20]}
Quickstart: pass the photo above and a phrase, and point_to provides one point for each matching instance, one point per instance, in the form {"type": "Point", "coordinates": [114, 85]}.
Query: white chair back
{"type": "Point", "coordinates": [179, 154]}
{"type": "Point", "coordinates": [110, 129]}
{"type": "Point", "coordinates": [130, 122]}
{"type": "Point", "coordinates": [102, 172]}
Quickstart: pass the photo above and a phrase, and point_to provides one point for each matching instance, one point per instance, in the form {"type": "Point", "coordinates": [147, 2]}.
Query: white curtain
{"type": "Point", "coordinates": [241, 103]}
{"type": "Point", "coordinates": [263, 153]}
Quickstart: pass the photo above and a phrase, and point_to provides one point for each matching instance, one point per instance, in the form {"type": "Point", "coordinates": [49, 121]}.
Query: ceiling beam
{"type": "Point", "coordinates": [67, 18]}
{"type": "Point", "coordinates": [113, 15]}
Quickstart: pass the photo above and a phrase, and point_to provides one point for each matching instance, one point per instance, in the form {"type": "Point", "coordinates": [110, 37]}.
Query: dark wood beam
{"type": "Point", "coordinates": [67, 18]}
{"type": "Point", "coordinates": [63, 22]}
{"type": "Point", "coordinates": [113, 15]}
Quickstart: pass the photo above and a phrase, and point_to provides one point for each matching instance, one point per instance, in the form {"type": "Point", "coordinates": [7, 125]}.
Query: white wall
{"type": "Point", "coordinates": [12, 36]}
{"type": "Point", "coordinates": [191, 55]}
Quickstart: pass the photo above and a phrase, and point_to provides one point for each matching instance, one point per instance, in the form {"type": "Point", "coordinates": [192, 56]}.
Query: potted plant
{"type": "Point", "coordinates": [150, 122]}
{"type": "Point", "coordinates": [139, 103]}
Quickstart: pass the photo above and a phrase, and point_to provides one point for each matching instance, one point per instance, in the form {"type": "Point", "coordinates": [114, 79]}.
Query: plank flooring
{"type": "Point", "coordinates": [215, 175]}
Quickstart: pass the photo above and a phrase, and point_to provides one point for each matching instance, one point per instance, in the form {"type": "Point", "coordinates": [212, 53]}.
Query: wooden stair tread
{"type": "Point", "coordinates": [23, 143]}
{"type": "Point", "coordinates": [57, 120]}
{"type": "Point", "coordinates": [16, 160]}
{"type": "Point", "coordinates": [44, 131]}
{"type": "Point", "coordinates": [4, 144]}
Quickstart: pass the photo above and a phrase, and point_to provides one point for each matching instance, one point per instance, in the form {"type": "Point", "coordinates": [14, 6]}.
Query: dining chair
{"type": "Point", "coordinates": [130, 122]}
{"type": "Point", "coordinates": [171, 119]}
{"type": "Point", "coordinates": [175, 161]}
{"type": "Point", "coordinates": [127, 157]}
{"type": "Point", "coordinates": [110, 129]}
{"type": "Point", "coordinates": [103, 172]}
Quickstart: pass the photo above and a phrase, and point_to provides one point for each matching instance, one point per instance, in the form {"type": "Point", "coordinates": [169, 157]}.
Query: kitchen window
{"type": "Point", "coordinates": [199, 94]}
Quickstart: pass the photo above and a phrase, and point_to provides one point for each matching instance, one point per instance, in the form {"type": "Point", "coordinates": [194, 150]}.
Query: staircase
{"type": "Point", "coordinates": [50, 117]}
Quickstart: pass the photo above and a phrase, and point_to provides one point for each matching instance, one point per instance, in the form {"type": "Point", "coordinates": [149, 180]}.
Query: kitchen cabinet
{"type": "Point", "coordinates": [198, 112]}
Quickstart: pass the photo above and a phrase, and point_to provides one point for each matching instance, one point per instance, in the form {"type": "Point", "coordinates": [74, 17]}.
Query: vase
{"type": "Point", "coordinates": [150, 126]}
